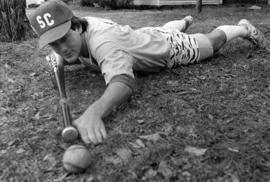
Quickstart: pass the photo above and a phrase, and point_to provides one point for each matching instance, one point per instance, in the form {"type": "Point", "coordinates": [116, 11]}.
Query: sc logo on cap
{"type": "Point", "coordinates": [45, 20]}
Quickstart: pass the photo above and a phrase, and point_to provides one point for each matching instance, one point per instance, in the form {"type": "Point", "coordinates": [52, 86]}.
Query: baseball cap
{"type": "Point", "coordinates": [51, 21]}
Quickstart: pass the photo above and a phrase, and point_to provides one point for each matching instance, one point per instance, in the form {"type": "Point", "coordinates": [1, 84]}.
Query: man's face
{"type": "Point", "coordinates": [68, 46]}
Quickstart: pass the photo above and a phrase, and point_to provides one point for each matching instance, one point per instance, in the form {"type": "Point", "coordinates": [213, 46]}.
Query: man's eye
{"type": "Point", "coordinates": [63, 39]}
{"type": "Point", "coordinates": [53, 44]}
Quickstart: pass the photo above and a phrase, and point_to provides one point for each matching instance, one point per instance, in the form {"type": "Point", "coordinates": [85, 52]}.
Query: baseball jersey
{"type": "Point", "coordinates": [120, 50]}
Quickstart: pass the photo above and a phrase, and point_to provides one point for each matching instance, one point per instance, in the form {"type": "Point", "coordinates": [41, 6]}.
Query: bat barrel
{"type": "Point", "coordinates": [70, 134]}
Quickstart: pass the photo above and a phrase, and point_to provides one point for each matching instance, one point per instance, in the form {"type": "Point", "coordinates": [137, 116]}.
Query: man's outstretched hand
{"type": "Point", "coordinates": [91, 128]}
{"type": "Point", "coordinates": [90, 124]}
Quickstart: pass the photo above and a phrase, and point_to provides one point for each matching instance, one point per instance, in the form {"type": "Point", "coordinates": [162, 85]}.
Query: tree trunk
{"type": "Point", "coordinates": [14, 24]}
{"type": "Point", "coordinates": [199, 6]}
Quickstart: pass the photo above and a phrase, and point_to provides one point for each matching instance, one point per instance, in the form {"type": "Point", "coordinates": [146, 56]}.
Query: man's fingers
{"type": "Point", "coordinates": [98, 135]}
{"type": "Point", "coordinates": [95, 133]}
{"type": "Point", "coordinates": [103, 132]}
{"type": "Point", "coordinates": [86, 140]}
{"type": "Point", "coordinates": [75, 123]}
{"type": "Point", "coordinates": [92, 136]}
{"type": "Point", "coordinates": [84, 136]}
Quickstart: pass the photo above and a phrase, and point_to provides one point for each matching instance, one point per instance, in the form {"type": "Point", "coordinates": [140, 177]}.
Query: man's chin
{"type": "Point", "coordinates": [71, 59]}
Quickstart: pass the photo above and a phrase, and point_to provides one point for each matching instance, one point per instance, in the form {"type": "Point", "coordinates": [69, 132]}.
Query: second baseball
{"type": "Point", "coordinates": [76, 159]}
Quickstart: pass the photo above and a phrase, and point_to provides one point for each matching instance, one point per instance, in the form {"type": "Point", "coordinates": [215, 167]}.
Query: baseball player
{"type": "Point", "coordinates": [119, 51]}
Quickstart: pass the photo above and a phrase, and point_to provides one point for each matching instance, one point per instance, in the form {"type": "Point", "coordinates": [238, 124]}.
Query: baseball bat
{"type": "Point", "coordinates": [69, 133]}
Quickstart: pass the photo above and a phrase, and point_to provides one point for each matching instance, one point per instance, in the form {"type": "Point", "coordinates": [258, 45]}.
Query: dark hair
{"type": "Point", "coordinates": [77, 22]}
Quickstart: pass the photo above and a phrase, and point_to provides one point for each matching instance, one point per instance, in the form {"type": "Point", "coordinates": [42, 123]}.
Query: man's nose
{"type": "Point", "coordinates": [63, 48]}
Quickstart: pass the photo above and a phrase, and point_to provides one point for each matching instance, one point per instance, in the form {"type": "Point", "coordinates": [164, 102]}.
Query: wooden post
{"type": "Point", "coordinates": [199, 5]}
{"type": "Point", "coordinates": [268, 2]}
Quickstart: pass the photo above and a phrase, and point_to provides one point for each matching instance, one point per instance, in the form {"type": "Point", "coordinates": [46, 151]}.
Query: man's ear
{"type": "Point", "coordinates": [79, 29]}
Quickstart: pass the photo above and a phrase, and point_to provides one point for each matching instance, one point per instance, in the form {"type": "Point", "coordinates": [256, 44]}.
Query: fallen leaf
{"type": "Point", "coordinates": [90, 178]}
{"type": "Point", "coordinates": [33, 74]}
{"type": "Point", "coordinates": [100, 178]}
{"type": "Point", "coordinates": [61, 178]}
{"type": "Point", "coordinates": [254, 7]}
{"type": "Point", "coordinates": [47, 116]}
{"type": "Point", "coordinates": [37, 116]}
{"type": "Point", "coordinates": [195, 151]}
{"type": "Point", "coordinates": [137, 144]}
{"type": "Point", "coordinates": [140, 121]}
{"type": "Point", "coordinates": [113, 160]}
{"type": "Point", "coordinates": [20, 151]}
{"type": "Point", "coordinates": [229, 120]}
{"type": "Point", "coordinates": [186, 174]}
{"type": "Point", "coordinates": [234, 178]}
{"type": "Point", "coordinates": [51, 161]}
{"type": "Point", "coordinates": [250, 97]}
{"type": "Point", "coordinates": [134, 145]}
{"type": "Point", "coordinates": [132, 174]}
{"type": "Point", "coordinates": [49, 158]}
{"type": "Point", "coordinates": [233, 149]}
{"type": "Point", "coordinates": [164, 169]}
{"type": "Point", "coordinates": [140, 143]}
{"type": "Point", "coordinates": [2, 152]}
{"type": "Point", "coordinates": [172, 83]}
{"type": "Point", "coordinates": [153, 137]}
{"type": "Point", "coordinates": [210, 116]}
{"type": "Point", "coordinates": [167, 128]}
{"type": "Point", "coordinates": [7, 66]}
{"type": "Point", "coordinates": [149, 174]}
{"type": "Point", "coordinates": [12, 142]}
{"type": "Point", "coordinates": [192, 133]}
{"type": "Point", "coordinates": [187, 166]}
{"type": "Point", "coordinates": [96, 5]}
{"type": "Point", "coordinates": [10, 80]}
{"type": "Point", "coordinates": [180, 129]}
{"type": "Point", "coordinates": [4, 119]}
{"type": "Point", "coordinates": [124, 154]}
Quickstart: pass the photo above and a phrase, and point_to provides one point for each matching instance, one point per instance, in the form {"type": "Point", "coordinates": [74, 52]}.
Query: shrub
{"type": "Point", "coordinates": [13, 21]}
{"type": "Point", "coordinates": [87, 2]}
{"type": "Point", "coordinates": [113, 4]}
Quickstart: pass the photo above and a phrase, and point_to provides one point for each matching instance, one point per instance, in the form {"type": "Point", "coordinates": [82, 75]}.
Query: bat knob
{"type": "Point", "coordinates": [70, 134]}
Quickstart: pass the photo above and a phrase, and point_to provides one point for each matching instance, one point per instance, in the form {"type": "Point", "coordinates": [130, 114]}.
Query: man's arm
{"type": "Point", "coordinates": [90, 124]}
{"type": "Point", "coordinates": [115, 94]}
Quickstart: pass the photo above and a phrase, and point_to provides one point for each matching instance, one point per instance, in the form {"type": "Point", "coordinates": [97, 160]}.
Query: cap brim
{"type": "Point", "coordinates": [54, 34]}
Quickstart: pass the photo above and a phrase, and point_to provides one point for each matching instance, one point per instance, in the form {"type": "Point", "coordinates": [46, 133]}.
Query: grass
{"type": "Point", "coordinates": [219, 107]}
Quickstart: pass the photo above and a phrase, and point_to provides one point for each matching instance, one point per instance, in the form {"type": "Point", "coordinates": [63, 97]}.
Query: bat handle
{"type": "Point", "coordinates": [64, 102]}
